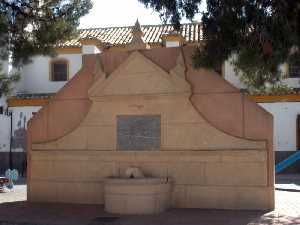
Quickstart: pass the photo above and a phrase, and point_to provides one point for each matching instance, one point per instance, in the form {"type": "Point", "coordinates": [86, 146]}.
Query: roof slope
{"type": "Point", "coordinates": [117, 36]}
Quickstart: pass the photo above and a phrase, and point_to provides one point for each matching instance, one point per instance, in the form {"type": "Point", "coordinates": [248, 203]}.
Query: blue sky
{"type": "Point", "coordinates": [106, 13]}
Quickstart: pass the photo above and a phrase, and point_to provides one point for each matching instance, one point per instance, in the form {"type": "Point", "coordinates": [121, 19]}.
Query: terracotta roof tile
{"type": "Point", "coordinates": [117, 36]}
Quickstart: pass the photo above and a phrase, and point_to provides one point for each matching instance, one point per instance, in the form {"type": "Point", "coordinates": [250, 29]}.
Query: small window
{"type": "Point", "coordinates": [294, 71]}
{"type": "Point", "coordinates": [59, 70]}
{"type": "Point", "coordinates": [1, 110]}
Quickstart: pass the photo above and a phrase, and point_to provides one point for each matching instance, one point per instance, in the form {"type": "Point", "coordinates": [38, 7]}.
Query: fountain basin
{"type": "Point", "coordinates": [137, 196]}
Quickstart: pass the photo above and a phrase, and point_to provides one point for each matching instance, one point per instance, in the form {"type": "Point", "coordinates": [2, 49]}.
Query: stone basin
{"type": "Point", "coordinates": [137, 195]}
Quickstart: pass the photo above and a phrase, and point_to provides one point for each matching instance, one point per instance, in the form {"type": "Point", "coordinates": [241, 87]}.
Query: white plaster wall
{"type": "Point", "coordinates": [90, 49]}
{"type": "Point", "coordinates": [8, 69]}
{"type": "Point", "coordinates": [4, 133]}
{"type": "Point", "coordinates": [292, 82]}
{"type": "Point", "coordinates": [20, 118]}
{"type": "Point", "coordinates": [172, 44]}
{"type": "Point", "coordinates": [3, 102]}
{"type": "Point", "coordinates": [231, 76]}
{"type": "Point", "coordinates": [5, 66]}
{"type": "Point", "coordinates": [21, 112]}
{"type": "Point", "coordinates": [285, 119]}
{"type": "Point", "coordinates": [35, 76]}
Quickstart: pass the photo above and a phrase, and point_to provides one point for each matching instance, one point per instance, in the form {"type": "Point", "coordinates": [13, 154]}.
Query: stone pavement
{"type": "Point", "coordinates": [13, 207]}
{"type": "Point", "coordinates": [16, 194]}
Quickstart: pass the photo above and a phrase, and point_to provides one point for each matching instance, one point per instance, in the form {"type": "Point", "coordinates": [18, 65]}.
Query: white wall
{"type": "Point", "coordinates": [231, 76]}
{"type": "Point", "coordinates": [35, 76]}
{"type": "Point", "coordinates": [34, 79]}
{"type": "Point", "coordinates": [4, 120]}
{"type": "Point", "coordinates": [292, 82]}
{"type": "Point", "coordinates": [285, 119]}
{"type": "Point", "coordinates": [5, 68]}
{"type": "Point", "coordinates": [172, 44]}
{"type": "Point", "coordinates": [3, 102]}
{"type": "Point", "coordinates": [20, 118]}
{"type": "Point", "coordinates": [4, 133]}
{"type": "Point", "coordinates": [4, 65]}
{"type": "Point", "coordinates": [284, 113]}
{"type": "Point", "coordinates": [90, 49]}
{"type": "Point", "coordinates": [23, 112]}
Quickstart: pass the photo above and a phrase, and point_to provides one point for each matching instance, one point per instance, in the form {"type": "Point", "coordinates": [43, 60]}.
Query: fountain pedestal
{"type": "Point", "coordinates": [137, 195]}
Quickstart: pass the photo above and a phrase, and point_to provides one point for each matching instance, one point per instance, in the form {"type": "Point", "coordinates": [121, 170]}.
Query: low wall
{"type": "Point", "coordinates": [203, 179]}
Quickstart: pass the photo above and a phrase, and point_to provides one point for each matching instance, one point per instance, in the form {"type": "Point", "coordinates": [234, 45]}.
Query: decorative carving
{"type": "Point", "coordinates": [137, 41]}
{"type": "Point", "coordinates": [134, 172]}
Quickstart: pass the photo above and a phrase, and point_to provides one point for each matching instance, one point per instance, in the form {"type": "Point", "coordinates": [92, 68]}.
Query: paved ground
{"type": "Point", "coordinates": [13, 207]}
{"type": "Point", "coordinates": [16, 194]}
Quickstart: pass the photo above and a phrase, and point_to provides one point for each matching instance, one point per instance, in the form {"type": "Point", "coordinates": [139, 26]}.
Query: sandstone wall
{"type": "Point", "coordinates": [216, 147]}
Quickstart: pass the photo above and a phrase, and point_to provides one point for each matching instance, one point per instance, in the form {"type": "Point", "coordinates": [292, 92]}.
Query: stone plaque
{"type": "Point", "coordinates": [138, 132]}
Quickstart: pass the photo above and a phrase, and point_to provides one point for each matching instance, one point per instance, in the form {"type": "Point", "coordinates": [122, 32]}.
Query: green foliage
{"type": "Point", "coordinates": [6, 82]}
{"type": "Point", "coordinates": [255, 71]}
{"type": "Point", "coordinates": [280, 89]}
{"type": "Point", "coordinates": [34, 27]}
{"type": "Point", "coordinates": [174, 10]}
{"type": "Point", "coordinates": [259, 33]}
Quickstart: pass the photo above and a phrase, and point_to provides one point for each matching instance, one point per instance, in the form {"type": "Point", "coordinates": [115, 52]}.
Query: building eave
{"type": "Point", "coordinates": [275, 98]}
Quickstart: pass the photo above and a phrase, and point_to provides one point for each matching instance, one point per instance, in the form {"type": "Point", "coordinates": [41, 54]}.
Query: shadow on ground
{"type": "Point", "coordinates": [24, 213]}
{"type": "Point", "coordinates": [288, 182]}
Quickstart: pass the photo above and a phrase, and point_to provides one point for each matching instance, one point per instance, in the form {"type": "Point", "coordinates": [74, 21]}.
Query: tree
{"type": "Point", "coordinates": [7, 81]}
{"type": "Point", "coordinates": [174, 10]}
{"type": "Point", "coordinates": [34, 27]}
{"type": "Point", "coordinates": [256, 35]}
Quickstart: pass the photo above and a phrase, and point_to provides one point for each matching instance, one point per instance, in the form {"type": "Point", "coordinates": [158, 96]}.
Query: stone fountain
{"type": "Point", "coordinates": [136, 194]}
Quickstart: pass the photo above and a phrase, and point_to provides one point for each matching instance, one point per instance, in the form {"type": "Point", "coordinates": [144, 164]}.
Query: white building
{"type": "Point", "coordinates": [45, 76]}
{"type": "Point", "coordinates": [285, 110]}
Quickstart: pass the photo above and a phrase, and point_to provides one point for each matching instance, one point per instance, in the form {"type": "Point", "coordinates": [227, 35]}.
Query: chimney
{"type": "Point", "coordinates": [137, 41]}
{"type": "Point", "coordinates": [172, 39]}
{"type": "Point", "coordinates": [90, 45]}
